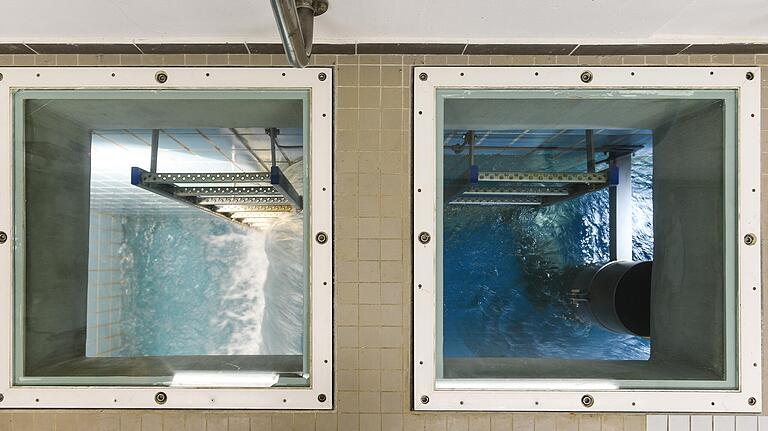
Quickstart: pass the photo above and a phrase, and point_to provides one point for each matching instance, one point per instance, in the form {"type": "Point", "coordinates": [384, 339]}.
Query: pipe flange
{"type": "Point", "coordinates": [318, 7]}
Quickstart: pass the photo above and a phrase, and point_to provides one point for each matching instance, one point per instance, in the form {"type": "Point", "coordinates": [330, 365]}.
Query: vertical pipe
{"type": "Point", "coordinates": [470, 137]}
{"type": "Point", "coordinates": [590, 150]}
{"type": "Point", "coordinates": [620, 209]}
{"type": "Point", "coordinates": [295, 22]}
{"type": "Point", "coordinates": [272, 132]}
{"type": "Point", "coordinates": [155, 146]}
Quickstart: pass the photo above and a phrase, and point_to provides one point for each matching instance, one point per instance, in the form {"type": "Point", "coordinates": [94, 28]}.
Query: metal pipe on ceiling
{"type": "Point", "coordinates": [295, 22]}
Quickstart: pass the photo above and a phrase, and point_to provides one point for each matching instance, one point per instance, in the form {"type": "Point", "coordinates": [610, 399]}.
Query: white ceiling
{"type": "Point", "coordinates": [478, 21]}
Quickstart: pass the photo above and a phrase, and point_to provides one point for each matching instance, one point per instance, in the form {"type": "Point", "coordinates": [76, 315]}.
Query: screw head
{"type": "Point", "coordinates": [750, 239]}
{"type": "Point", "coordinates": [423, 76]}
{"type": "Point", "coordinates": [424, 238]}
{"type": "Point", "coordinates": [161, 77]}
{"type": "Point", "coordinates": [322, 76]}
{"type": "Point", "coordinates": [586, 76]}
{"type": "Point", "coordinates": [161, 397]}
{"type": "Point", "coordinates": [1, 76]}
{"type": "Point", "coordinates": [587, 400]}
{"type": "Point", "coordinates": [751, 401]}
{"type": "Point", "coordinates": [750, 76]}
{"type": "Point", "coordinates": [3, 237]}
{"type": "Point", "coordinates": [321, 237]}
{"type": "Point", "coordinates": [424, 399]}
{"type": "Point", "coordinates": [321, 398]}
{"type": "Point", "coordinates": [2, 397]}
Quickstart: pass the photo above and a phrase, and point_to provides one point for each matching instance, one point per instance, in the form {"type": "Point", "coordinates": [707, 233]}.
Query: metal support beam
{"type": "Point", "coordinates": [517, 191]}
{"type": "Point", "coordinates": [497, 200]}
{"type": "Point", "coordinates": [469, 139]}
{"type": "Point", "coordinates": [253, 208]}
{"type": "Point", "coordinates": [284, 187]}
{"type": "Point", "coordinates": [272, 132]}
{"type": "Point", "coordinates": [256, 191]}
{"type": "Point", "coordinates": [546, 177]}
{"type": "Point", "coordinates": [620, 197]}
{"type": "Point", "coordinates": [206, 178]}
{"type": "Point", "coordinates": [243, 200]}
{"type": "Point", "coordinates": [155, 147]}
{"type": "Point", "coordinates": [590, 144]}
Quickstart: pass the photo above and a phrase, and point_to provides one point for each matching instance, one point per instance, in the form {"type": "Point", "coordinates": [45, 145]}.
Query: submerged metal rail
{"type": "Point", "coordinates": [531, 188]}
{"type": "Point", "coordinates": [295, 23]}
{"type": "Point", "coordinates": [512, 200]}
{"type": "Point", "coordinates": [546, 177]}
{"type": "Point", "coordinates": [476, 187]}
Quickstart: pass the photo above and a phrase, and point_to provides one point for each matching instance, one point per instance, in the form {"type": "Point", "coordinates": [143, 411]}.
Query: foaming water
{"type": "Point", "coordinates": [242, 298]}
{"type": "Point", "coordinates": [282, 323]}
{"type": "Point", "coordinates": [197, 285]}
{"type": "Point", "coordinates": [508, 274]}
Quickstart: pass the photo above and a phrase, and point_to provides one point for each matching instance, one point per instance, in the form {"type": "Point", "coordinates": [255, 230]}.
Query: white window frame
{"type": "Point", "coordinates": [319, 82]}
{"type": "Point", "coordinates": [566, 395]}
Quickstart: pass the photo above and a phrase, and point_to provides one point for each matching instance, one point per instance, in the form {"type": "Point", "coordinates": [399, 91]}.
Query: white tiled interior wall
{"type": "Point", "coordinates": [706, 423]}
{"type": "Point", "coordinates": [104, 335]}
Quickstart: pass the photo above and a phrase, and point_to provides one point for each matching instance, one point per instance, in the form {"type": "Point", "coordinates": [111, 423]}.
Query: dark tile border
{"type": "Point", "coordinates": [411, 48]}
{"type": "Point", "coordinates": [386, 48]}
{"type": "Point", "coordinates": [652, 49]}
{"type": "Point", "coordinates": [317, 48]}
{"type": "Point", "coordinates": [265, 48]}
{"type": "Point", "coordinates": [727, 48]}
{"type": "Point", "coordinates": [193, 48]}
{"type": "Point", "coordinates": [88, 48]}
{"type": "Point", "coordinates": [332, 48]}
{"type": "Point", "coordinates": [15, 48]}
{"type": "Point", "coordinates": [519, 49]}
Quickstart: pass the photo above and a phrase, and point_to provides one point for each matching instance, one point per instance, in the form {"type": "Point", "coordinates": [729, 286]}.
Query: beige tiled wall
{"type": "Point", "coordinates": [372, 289]}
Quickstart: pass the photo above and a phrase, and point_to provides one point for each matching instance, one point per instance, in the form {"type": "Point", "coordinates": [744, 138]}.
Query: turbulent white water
{"type": "Point", "coordinates": [265, 296]}
{"type": "Point", "coordinates": [282, 324]}
{"type": "Point", "coordinates": [242, 299]}
{"type": "Point", "coordinates": [198, 285]}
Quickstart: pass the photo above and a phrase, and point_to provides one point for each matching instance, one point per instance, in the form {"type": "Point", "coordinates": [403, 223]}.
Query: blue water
{"type": "Point", "coordinates": [508, 272]}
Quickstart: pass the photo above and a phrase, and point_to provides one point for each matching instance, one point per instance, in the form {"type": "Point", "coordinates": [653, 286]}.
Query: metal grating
{"type": "Point", "coordinates": [546, 177]}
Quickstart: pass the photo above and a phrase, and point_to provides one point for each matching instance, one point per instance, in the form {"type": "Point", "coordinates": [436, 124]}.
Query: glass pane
{"type": "Point", "coordinates": [584, 235]}
{"type": "Point", "coordinates": [163, 238]}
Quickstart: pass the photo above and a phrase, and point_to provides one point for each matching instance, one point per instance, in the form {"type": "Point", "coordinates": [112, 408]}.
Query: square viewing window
{"type": "Point", "coordinates": [162, 247]}
{"type": "Point", "coordinates": [587, 240]}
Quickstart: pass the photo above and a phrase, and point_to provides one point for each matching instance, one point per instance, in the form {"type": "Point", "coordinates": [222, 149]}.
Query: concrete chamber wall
{"type": "Point", "coordinates": [687, 296]}
{"type": "Point", "coordinates": [57, 174]}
